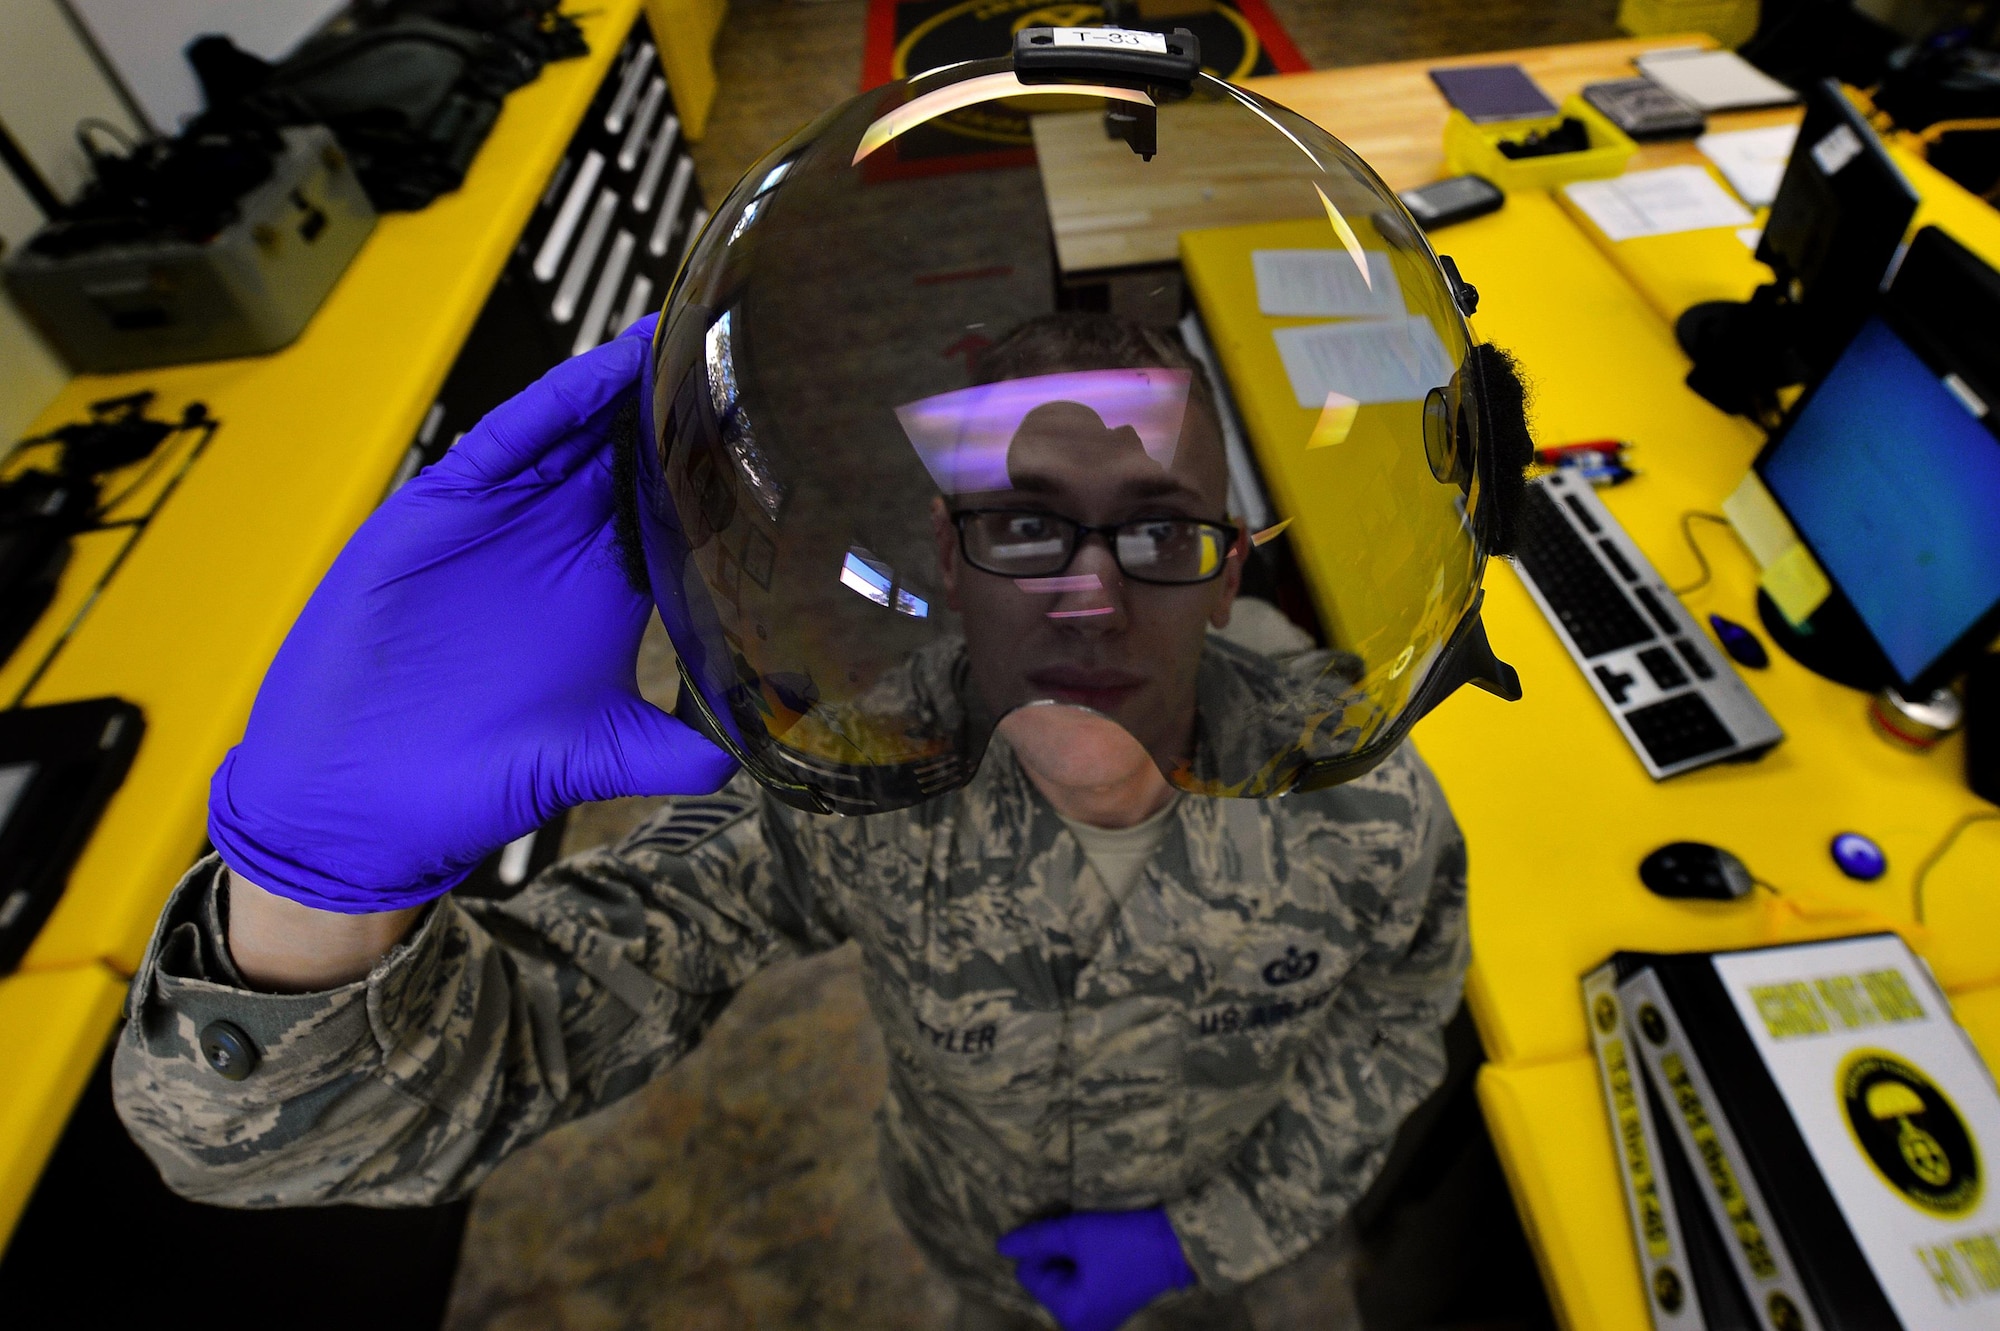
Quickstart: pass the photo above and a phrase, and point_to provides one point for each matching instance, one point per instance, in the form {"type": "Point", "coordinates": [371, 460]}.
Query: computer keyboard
{"type": "Point", "coordinates": [1678, 700]}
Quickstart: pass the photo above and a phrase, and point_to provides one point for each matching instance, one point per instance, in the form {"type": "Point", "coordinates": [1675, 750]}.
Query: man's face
{"type": "Point", "coordinates": [1090, 635]}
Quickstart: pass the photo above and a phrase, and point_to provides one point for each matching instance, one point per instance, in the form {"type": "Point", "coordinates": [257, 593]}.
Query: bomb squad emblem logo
{"type": "Point", "coordinates": [1910, 1132]}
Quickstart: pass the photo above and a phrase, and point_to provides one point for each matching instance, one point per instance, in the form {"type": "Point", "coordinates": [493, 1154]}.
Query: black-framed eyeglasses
{"type": "Point", "coordinates": [1025, 543]}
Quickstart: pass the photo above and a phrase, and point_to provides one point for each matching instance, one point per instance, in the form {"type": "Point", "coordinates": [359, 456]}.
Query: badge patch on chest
{"type": "Point", "coordinates": [1292, 967]}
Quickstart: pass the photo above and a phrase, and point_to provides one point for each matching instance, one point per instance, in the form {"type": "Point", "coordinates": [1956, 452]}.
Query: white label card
{"type": "Point", "coordinates": [1115, 39]}
{"type": "Point", "coordinates": [1840, 146]}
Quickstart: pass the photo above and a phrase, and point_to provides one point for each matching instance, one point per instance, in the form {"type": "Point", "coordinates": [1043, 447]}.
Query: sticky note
{"type": "Point", "coordinates": [1759, 521]}
{"type": "Point", "coordinates": [1796, 584]}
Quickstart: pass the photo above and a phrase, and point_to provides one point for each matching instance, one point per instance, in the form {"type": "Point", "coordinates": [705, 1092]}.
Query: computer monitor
{"type": "Point", "coordinates": [1833, 230]}
{"type": "Point", "coordinates": [1889, 468]}
{"type": "Point", "coordinates": [1836, 223]}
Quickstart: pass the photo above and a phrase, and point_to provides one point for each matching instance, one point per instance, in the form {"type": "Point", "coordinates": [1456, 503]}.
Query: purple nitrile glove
{"type": "Point", "coordinates": [1093, 1269]}
{"type": "Point", "coordinates": [464, 671]}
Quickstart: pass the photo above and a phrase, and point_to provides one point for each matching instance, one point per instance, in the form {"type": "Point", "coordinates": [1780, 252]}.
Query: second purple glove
{"type": "Point", "coordinates": [464, 671]}
{"type": "Point", "coordinates": [1093, 1269]}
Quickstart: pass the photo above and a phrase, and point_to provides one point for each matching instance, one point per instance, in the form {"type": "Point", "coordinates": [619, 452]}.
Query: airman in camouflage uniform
{"type": "Point", "coordinates": [1238, 1039]}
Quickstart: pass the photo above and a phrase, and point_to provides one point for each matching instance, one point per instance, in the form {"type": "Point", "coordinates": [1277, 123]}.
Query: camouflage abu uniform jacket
{"type": "Point", "coordinates": [1238, 1039]}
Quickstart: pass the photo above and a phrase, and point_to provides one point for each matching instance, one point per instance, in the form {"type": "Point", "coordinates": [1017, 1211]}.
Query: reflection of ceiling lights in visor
{"type": "Point", "coordinates": [963, 436]}
{"type": "Point", "coordinates": [985, 88]}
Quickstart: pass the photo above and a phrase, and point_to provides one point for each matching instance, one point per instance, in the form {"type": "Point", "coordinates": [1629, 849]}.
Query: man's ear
{"type": "Point", "coordinates": [945, 534]}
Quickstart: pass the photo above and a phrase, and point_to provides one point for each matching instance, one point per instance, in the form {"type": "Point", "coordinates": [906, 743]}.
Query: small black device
{"type": "Point", "coordinates": [59, 766]}
{"type": "Point", "coordinates": [1457, 199]}
{"type": "Point", "coordinates": [1570, 136]}
{"type": "Point", "coordinates": [1889, 469]}
{"type": "Point", "coordinates": [39, 512]}
{"type": "Point", "coordinates": [1834, 228]}
{"type": "Point", "coordinates": [1645, 110]}
{"type": "Point", "coordinates": [1486, 94]}
{"type": "Point", "coordinates": [1694, 871]}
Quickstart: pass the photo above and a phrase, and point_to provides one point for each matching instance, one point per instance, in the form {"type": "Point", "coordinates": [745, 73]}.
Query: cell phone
{"type": "Point", "coordinates": [1457, 199]}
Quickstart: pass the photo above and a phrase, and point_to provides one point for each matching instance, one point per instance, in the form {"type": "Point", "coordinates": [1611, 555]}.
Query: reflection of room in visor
{"type": "Point", "coordinates": [963, 436]}
{"type": "Point", "coordinates": [863, 572]}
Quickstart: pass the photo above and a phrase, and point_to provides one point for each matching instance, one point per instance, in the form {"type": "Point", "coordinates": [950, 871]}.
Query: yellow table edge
{"type": "Point", "coordinates": [187, 626]}
{"type": "Point", "coordinates": [59, 1009]}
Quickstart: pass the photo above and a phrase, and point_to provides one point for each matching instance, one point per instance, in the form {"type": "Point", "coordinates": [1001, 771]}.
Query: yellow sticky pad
{"type": "Point", "coordinates": [1795, 583]}
{"type": "Point", "coordinates": [1336, 418]}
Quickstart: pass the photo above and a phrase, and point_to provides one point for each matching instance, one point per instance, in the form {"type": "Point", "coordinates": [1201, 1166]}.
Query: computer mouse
{"type": "Point", "coordinates": [1741, 644]}
{"type": "Point", "coordinates": [1859, 857]}
{"type": "Point", "coordinates": [1694, 870]}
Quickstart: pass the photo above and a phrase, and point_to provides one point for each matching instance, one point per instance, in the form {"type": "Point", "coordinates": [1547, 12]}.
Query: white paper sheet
{"type": "Point", "coordinates": [1751, 160]}
{"type": "Point", "coordinates": [1325, 283]}
{"type": "Point", "coordinates": [1367, 361]}
{"type": "Point", "coordinates": [1714, 80]}
{"type": "Point", "coordinates": [1657, 203]}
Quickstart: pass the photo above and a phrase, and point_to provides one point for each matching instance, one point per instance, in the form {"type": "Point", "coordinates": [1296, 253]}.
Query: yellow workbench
{"type": "Point", "coordinates": [1675, 271]}
{"type": "Point", "coordinates": [1556, 809]}
{"type": "Point", "coordinates": [309, 438]}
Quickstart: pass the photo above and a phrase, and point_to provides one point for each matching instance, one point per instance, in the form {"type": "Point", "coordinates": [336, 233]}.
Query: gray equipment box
{"type": "Point", "coordinates": [250, 289]}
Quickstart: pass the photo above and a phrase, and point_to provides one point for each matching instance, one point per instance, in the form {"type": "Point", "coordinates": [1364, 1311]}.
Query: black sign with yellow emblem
{"type": "Point", "coordinates": [1911, 1132]}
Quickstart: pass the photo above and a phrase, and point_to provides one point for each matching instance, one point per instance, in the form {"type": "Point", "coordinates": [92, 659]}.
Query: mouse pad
{"type": "Point", "coordinates": [1488, 93]}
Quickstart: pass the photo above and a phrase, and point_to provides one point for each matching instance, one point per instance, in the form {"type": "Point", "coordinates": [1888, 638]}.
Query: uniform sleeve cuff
{"type": "Point", "coordinates": [188, 983]}
{"type": "Point", "coordinates": [1226, 1242]}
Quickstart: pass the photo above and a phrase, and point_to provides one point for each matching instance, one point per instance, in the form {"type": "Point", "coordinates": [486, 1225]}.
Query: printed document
{"type": "Point", "coordinates": [1751, 160]}
{"type": "Point", "coordinates": [1657, 203]}
{"type": "Point", "coordinates": [1325, 283]}
{"type": "Point", "coordinates": [1367, 361]}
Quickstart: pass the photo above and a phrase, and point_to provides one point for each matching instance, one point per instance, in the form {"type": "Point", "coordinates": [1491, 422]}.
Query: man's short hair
{"type": "Point", "coordinates": [1074, 340]}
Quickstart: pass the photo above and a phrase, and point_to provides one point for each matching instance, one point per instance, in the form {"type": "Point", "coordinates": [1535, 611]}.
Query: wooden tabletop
{"type": "Point", "coordinates": [1110, 209]}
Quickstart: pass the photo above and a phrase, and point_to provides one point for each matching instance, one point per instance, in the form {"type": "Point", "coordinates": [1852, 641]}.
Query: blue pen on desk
{"type": "Point", "coordinates": [1600, 462]}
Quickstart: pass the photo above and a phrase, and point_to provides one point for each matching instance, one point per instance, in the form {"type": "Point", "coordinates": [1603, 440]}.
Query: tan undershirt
{"type": "Point", "coordinates": [1116, 859]}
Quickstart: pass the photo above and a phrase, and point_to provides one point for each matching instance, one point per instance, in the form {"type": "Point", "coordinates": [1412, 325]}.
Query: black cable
{"type": "Point", "coordinates": [1943, 849]}
{"type": "Point", "coordinates": [1687, 531]}
{"type": "Point", "coordinates": [152, 469]}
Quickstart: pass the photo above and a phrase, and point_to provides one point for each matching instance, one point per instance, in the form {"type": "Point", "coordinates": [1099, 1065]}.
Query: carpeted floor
{"type": "Point", "coordinates": [739, 1191]}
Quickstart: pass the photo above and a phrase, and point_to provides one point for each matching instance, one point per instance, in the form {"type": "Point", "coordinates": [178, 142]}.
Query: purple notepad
{"type": "Point", "coordinates": [1486, 93]}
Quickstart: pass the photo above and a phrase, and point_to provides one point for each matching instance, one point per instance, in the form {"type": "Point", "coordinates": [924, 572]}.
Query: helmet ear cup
{"type": "Point", "coordinates": [1444, 437]}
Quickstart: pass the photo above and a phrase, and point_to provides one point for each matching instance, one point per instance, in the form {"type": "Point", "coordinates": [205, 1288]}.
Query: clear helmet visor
{"type": "Point", "coordinates": [894, 491]}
